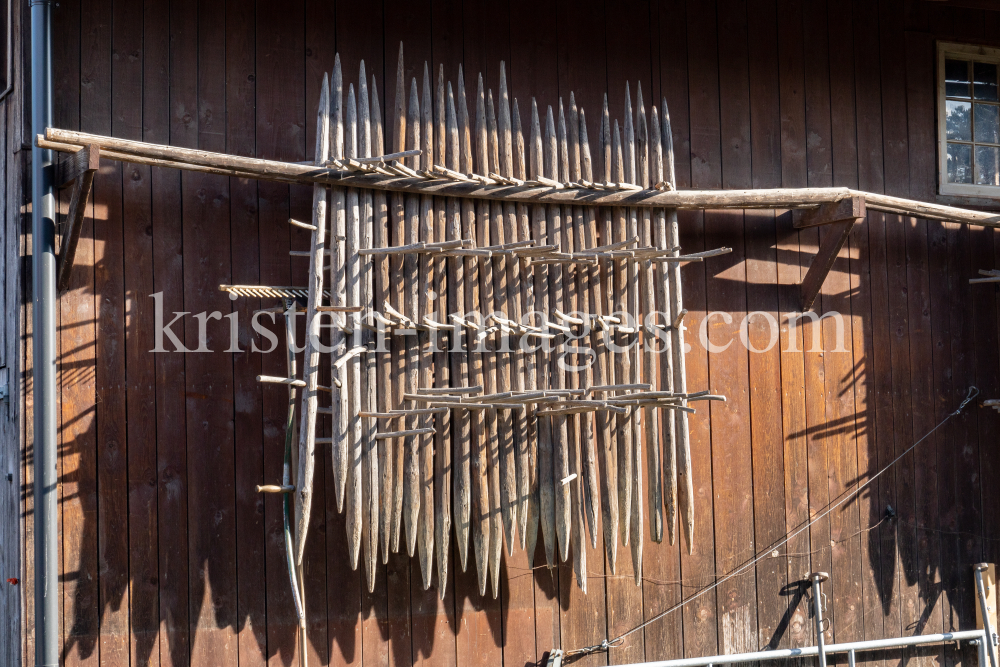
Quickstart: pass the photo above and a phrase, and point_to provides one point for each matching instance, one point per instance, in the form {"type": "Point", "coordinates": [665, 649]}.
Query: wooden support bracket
{"type": "Point", "coordinates": [840, 217]}
{"type": "Point", "coordinates": [79, 171]}
{"type": "Point", "coordinates": [72, 165]}
{"type": "Point", "coordinates": [825, 214]}
{"type": "Point", "coordinates": [832, 241]}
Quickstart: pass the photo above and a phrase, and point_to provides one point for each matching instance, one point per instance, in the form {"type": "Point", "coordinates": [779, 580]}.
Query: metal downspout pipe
{"type": "Point", "coordinates": [43, 280]}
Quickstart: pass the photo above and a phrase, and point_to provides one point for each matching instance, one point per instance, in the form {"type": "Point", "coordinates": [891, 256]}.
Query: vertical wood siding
{"type": "Point", "coordinates": [170, 557]}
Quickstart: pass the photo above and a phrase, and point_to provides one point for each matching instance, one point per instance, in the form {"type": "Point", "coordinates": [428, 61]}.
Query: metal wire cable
{"type": "Point", "coordinates": [617, 641]}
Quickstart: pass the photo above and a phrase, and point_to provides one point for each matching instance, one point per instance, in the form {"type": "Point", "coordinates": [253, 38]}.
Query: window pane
{"type": "Point", "coordinates": [987, 165]}
{"type": "Point", "coordinates": [986, 81]}
{"type": "Point", "coordinates": [987, 124]}
{"type": "Point", "coordinates": [959, 163]}
{"type": "Point", "coordinates": [956, 76]}
{"type": "Point", "coordinates": [957, 120]}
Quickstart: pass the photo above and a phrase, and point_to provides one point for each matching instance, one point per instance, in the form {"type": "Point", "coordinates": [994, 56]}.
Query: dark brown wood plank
{"type": "Point", "coordinates": [17, 351]}
{"type": "Point", "coordinates": [943, 459]}
{"type": "Point", "coordinates": [78, 432]}
{"type": "Point", "coordinates": [247, 364]}
{"type": "Point", "coordinates": [896, 152]}
{"type": "Point", "coordinates": [11, 554]}
{"type": "Point", "coordinates": [921, 137]}
{"type": "Point", "coordinates": [987, 378]}
{"type": "Point", "coordinates": [76, 354]}
{"type": "Point", "coordinates": [662, 587]}
{"type": "Point", "coordinates": [870, 338]}
{"type": "Point", "coordinates": [695, 168]}
{"type": "Point", "coordinates": [819, 168]}
{"type": "Point", "coordinates": [165, 67]}
{"type": "Point", "coordinates": [112, 473]}
{"type": "Point", "coordinates": [791, 77]}
{"type": "Point", "coordinates": [961, 504]}
{"type": "Point", "coordinates": [209, 376]}
{"type": "Point", "coordinates": [277, 116]}
{"type": "Point", "coordinates": [841, 359]}
{"type": "Point", "coordinates": [762, 301]}
{"type": "Point", "coordinates": [732, 472]}
{"type": "Point", "coordinates": [127, 74]}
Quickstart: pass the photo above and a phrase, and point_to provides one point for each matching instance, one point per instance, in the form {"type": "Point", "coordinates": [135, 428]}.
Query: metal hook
{"type": "Point", "coordinates": [973, 392]}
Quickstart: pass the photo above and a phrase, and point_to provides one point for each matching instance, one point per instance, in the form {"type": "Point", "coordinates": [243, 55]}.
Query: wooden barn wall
{"type": "Point", "coordinates": [169, 557]}
{"type": "Point", "coordinates": [15, 263]}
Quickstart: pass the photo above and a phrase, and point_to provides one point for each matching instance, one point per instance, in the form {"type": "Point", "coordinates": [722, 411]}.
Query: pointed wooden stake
{"type": "Point", "coordinates": [608, 273]}
{"type": "Point", "coordinates": [381, 291]}
{"type": "Point", "coordinates": [560, 436]}
{"type": "Point", "coordinates": [355, 444]}
{"type": "Point", "coordinates": [461, 419]}
{"type": "Point", "coordinates": [527, 456]}
{"type": "Point", "coordinates": [338, 296]}
{"type": "Point", "coordinates": [411, 483]}
{"type": "Point", "coordinates": [623, 364]}
{"type": "Point", "coordinates": [599, 306]}
{"type": "Point", "coordinates": [686, 496]}
{"type": "Point", "coordinates": [663, 304]}
{"type": "Point", "coordinates": [310, 370]}
{"type": "Point", "coordinates": [397, 212]}
{"type": "Point", "coordinates": [649, 357]}
{"type": "Point", "coordinates": [539, 230]}
{"type": "Point", "coordinates": [505, 419]}
{"type": "Point", "coordinates": [425, 280]}
{"type": "Point", "coordinates": [443, 461]}
{"type": "Point", "coordinates": [369, 383]}
{"type": "Point", "coordinates": [489, 358]}
{"type": "Point", "coordinates": [480, 509]}
{"type": "Point", "coordinates": [585, 291]}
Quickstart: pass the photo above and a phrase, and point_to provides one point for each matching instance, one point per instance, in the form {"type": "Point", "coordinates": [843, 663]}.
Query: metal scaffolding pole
{"type": "Point", "coordinates": [43, 269]}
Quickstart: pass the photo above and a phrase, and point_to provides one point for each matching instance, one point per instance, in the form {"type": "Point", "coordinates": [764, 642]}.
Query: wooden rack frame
{"type": "Point", "coordinates": [838, 208]}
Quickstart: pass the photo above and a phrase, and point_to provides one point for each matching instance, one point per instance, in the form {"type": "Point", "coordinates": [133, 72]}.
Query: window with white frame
{"type": "Point", "coordinates": [968, 120]}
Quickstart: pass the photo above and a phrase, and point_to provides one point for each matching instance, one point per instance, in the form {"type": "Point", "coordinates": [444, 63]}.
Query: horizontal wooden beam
{"type": "Point", "coordinates": [928, 211]}
{"type": "Point", "coordinates": [243, 167]}
{"type": "Point", "coordinates": [286, 172]}
{"type": "Point", "coordinates": [850, 208]}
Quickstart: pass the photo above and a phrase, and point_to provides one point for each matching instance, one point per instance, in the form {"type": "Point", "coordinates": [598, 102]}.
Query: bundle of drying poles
{"type": "Point", "coordinates": [462, 395]}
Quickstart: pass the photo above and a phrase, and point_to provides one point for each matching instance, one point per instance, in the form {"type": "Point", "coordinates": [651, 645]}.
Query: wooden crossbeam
{"type": "Point", "coordinates": [80, 172]}
{"type": "Point", "coordinates": [286, 172]}
{"type": "Point", "coordinates": [832, 241]}
{"type": "Point", "coordinates": [829, 213]}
